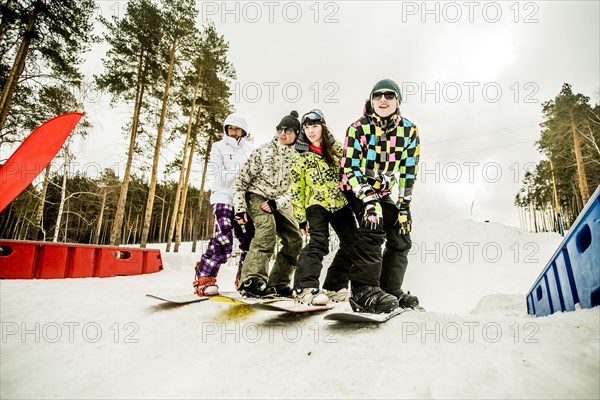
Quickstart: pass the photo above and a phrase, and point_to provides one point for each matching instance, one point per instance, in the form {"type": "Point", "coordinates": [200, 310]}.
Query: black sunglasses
{"type": "Point", "coordinates": [286, 130]}
{"type": "Point", "coordinates": [388, 95]}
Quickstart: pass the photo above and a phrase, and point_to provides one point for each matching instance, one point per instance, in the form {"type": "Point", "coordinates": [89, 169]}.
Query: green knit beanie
{"type": "Point", "coordinates": [389, 85]}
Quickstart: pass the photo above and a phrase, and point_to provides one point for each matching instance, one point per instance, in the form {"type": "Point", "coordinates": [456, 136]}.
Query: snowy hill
{"type": "Point", "coordinates": [102, 338]}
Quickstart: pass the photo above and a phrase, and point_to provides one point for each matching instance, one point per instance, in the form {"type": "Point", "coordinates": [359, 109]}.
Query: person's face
{"type": "Point", "coordinates": [286, 136]}
{"type": "Point", "coordinates": [234, 131]}
{"type": "Point", "coordinates": [314, 133]}
{"type": "Point", "coordinates": [384, 103]}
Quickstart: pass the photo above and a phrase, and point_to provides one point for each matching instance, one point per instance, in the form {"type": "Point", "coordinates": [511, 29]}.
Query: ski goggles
{"type": "Point", "coordinates": [312, 116]}
{"type": "Point", "coordinates": [387, 95]}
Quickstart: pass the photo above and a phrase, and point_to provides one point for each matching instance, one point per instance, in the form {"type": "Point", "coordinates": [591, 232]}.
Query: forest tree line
{"type": "Point", "coordinates": [554, 193]}
{"type": "Point", "coordinates": [171, 75]}
{"type": "Point", "coordinates": [174, 79]}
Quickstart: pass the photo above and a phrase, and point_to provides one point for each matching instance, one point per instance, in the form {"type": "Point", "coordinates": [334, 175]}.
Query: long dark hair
{"type": "Point", "coordinates": [329, 152]}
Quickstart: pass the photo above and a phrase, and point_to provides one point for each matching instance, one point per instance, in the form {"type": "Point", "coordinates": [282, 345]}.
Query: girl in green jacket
{"type": "Point", "coordinates": [318, 203]}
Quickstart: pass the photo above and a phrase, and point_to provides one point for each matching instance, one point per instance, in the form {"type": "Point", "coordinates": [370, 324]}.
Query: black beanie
{"type": "Point", "coordinates": [291, 121]}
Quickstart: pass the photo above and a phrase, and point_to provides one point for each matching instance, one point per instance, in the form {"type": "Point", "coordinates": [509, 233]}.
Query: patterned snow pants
{"type": "Point", "coordinates": [221, 244]}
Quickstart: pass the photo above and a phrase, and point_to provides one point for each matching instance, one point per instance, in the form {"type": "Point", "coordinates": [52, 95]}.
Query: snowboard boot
{"type": "Point", "coordinates": [310, 296]}
{"type": "Point", "coordinates": [340, 296]}
{"type": "Point", "coordinates": [371, 299]}
{"type": "Point", "coordinates": [285, 291]}
{"type": "Point", "coordinates": [257, 289]}
{"type": "Point", "coordinates": [206, 286]}
{"type": "Point", "coordinates": [407, 300]}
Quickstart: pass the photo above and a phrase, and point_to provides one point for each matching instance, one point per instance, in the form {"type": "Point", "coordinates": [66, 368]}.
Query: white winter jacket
{"type": "Point", "coordinates": [226, 158]}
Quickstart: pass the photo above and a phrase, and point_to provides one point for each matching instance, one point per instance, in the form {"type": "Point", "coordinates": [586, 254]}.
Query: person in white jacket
{"type": "Point", "coordinates": [226, 158]}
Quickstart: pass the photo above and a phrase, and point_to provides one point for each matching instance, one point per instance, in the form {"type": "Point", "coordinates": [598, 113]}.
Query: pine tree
{"type": "Point", "coordinates": [569, 139]}
{"type": "Point", "coordinates": [179, 30]}
{"type": "Point", "coordinates": [131, 66]}
{"type": "Point", "coordinates": [215, 73]}
{"type": "Point", "coordinates": [38, 35]}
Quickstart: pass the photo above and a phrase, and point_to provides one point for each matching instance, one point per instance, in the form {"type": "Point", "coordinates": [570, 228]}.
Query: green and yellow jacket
{"type": "Point", "coordinates": [313, 182]}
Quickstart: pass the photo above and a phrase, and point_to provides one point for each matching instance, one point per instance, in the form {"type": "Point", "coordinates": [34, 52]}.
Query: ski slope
{"type": "Point", "coordinates": [102, 338]}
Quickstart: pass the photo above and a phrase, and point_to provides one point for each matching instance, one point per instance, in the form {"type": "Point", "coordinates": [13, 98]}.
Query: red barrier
{"type": "Point", "coordinates": [41, 260]}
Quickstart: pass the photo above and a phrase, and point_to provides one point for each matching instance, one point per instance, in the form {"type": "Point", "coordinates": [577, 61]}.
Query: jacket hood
{"type": "Point", "coordinates": [237, 120]}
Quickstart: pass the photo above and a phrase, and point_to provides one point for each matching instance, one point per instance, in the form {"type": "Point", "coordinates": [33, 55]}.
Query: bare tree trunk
{"type": "Point", "coordinates": [184, 199]}
{"type": "Point", "coordinates": [126, 229]}
{"type": "Point", "coordinates": [161, 125]}
{"type": "Point", "coordinates": [190, 225]}
{"type": "Point", "coordinates": [4, 231]}
{"type": "Point", "coordinates": [164, 238]}
{"type": "Point", "coordinates": [135, 228]}
{"type": "Point", "coordinates": [39, 218]}
{"type": "Point", "coordinates": [66, 230]}
{"type": "Point", "coordinates": [176, 216]}
{"type": "Point", "coordinates": [115, 236]}
{"type": "Point", "coordinates": [583, 185]}
{"type": "Point", "coordinates": [201, 195]}
{"type": "Point", "coordinates": [162, 214]}
{"type": "Point", "coordinates": [96, 239]}
{"type": "Point", "coordinates": [63, 192]}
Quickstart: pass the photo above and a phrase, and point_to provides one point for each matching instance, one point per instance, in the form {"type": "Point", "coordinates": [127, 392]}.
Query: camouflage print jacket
{"type": "Point", "coordinates": [266, 172]}
{"type": "Point", "coordinates": [315, 183]}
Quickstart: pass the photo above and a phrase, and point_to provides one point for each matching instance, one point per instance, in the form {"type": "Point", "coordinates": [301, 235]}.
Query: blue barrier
{"type": "Point", "coordinates": [573, 274]}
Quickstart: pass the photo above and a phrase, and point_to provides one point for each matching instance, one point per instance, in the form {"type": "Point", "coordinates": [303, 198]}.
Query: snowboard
{"type": "Point", "coordinates": [235, 298]}
{"type": "Point", "coordinates": [281, 304]}
{"type": "Point", "coordinates": [179, 299]}
{"type": "Point", "coordinates": [33, 155]}
{"type": "Point", "coordinates": [290, 307]}
{"type": "Point", "coordinates": [350, 316]}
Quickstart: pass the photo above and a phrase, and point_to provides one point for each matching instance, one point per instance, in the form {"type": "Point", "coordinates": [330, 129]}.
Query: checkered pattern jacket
{"type": "Point", "coordinates": [314, 182]}
{"type": "Point", "coordinates": [380, 154]}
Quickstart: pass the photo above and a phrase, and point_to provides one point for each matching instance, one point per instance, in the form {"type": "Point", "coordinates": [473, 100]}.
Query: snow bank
{"type": "Point", "coordinates": [102, 338]}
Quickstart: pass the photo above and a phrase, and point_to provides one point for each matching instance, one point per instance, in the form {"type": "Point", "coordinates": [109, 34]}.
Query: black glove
{"type": "Point", "coordinates": [404, 218]}
{"type": "Point", "coordinates": [241, 217]}
{"type": "Point", "coordinates": [373, 216]}
{"type": "Point", "coordinates": [272, 204]}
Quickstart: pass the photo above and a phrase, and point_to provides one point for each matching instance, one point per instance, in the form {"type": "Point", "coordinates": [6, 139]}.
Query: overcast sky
{"type": "Point", "coordinates": [473, 75]}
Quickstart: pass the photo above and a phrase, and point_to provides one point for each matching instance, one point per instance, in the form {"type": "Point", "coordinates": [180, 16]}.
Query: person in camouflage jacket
{"type": "Point", "coordinates": [262, 194]}
{"type": "Point", "coordinates": [318, 203]}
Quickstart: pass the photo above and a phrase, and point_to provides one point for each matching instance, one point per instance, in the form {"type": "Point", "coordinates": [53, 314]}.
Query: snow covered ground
{"type": "Point", "coordinates": [102, 338]}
